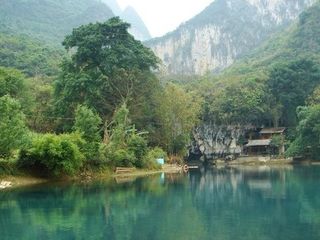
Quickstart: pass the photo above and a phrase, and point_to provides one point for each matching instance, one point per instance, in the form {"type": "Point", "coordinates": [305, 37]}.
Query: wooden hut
{"type": "Point", "coordinates": [263, 145]}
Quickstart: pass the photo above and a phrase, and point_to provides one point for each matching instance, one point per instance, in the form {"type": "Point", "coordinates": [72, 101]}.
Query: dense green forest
{"type": "Point", "coordinates": [99, 103]}
{"type": "Point", "coordinates": [30, 56]}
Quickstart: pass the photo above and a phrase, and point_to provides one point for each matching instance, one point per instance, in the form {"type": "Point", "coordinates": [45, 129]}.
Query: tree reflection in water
{"type": "Point", "coordinates": [226, 203]}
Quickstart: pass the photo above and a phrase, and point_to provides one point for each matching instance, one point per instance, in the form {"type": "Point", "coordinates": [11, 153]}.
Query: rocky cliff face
{"type": "Point", "coordinates": [212, 141]}
{"type": "Point", "coordinates": [223, 32]}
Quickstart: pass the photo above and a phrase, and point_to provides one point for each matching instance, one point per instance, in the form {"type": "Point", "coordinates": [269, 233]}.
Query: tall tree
{"type": "Point", "coordinates": [107, 66]}
{"type": "Point", "coordinates": [178, 113]}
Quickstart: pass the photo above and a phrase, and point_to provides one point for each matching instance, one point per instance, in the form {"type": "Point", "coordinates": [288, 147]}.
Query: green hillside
{"type": "Point", "coordinates": [30, 56]}
{"type": "Point", "coordinates": [32, 31]}
{"type": "Point", "coordinates": [50, 20]}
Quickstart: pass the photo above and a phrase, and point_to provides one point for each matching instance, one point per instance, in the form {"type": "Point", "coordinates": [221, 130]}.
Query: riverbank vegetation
{"type": "Point", "coordinates": [103, 108]}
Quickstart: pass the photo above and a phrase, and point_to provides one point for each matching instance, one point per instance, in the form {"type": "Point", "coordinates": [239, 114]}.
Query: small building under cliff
{"type": "Point", "coordinates": [271, 140]}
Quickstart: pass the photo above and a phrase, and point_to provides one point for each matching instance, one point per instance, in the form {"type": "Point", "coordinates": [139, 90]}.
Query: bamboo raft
{"type": "Point", "coordinates": [124, 170]}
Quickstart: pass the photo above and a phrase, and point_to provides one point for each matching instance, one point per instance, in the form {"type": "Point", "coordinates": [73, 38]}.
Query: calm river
{"type": "Point", "coordinates": [257, 203]}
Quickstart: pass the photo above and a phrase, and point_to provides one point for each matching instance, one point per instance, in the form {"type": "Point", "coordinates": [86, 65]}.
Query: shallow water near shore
{"type": "Point", "coordinates": [227, 203]}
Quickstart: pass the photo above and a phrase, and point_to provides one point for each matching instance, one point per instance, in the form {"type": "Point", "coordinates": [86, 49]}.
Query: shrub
{"type": "Point", "coordinates": [119, 157]}
{"type": "Point", "coordinates": [126, 146]}
{"type": "Point", "coordinates": [55, 155]}
{"type": "Point", "coordinates": [7, 168]}
{"type": "Point", "coordinates": [149, 160]}
{"type": "Point", "coordinates": [12, 126]}
{"type": "Point", "coordinates": [87, 123]}
{"type": "Point", "coordinates": [137, 146]}
{"type": "Point", "coordinates": [307, 140]}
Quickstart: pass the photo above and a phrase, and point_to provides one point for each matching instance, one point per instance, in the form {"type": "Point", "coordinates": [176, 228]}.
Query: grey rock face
{"type": "Point", "coordinates": [223, 32]}
{"type": "Point", "coordinates": [212, 141]}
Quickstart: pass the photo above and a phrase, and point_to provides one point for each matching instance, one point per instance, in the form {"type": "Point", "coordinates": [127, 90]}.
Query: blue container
{"type": "Point", "coordinates": [160, 161]}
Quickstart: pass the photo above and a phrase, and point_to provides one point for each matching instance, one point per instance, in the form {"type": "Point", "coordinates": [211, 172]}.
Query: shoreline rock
{"type": "Point", "coordinates": [5, 184]}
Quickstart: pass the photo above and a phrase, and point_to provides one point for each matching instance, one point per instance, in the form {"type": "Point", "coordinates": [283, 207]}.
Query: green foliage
{"type": "Point", "coordinates": [149, 160]}
{"type": "Point", "coordinates": [277, 141]}
{"type": "Point", "coordinates": [88, 124]}
{"type": "Point", "coordinates": [34, 94]}
{"type": "Point", "coordinates": [120, 126]}
{"type": "Point", "coordinates": [53, 155]}
{"type": "Point", "coordinates": [30, 56]}
{"type": "Point", "coordinates": [94, 42]}
{"type": "Point", "coordinates": [12, 82]}
{"type": "Point", "coordinates": [12, 126]}
{"type": "Point", "coordinates": [120, 157]}
{"type": "Point", "coordinates": [138, 146]}
{"type": "Point", "coordinates": [241, 102]}
{"type": "Point", "coordinates": [307, 142]}
{"type": "Point", "coordinates": [7, 168]}
{"type": "Point", "coordinates": [314, 98]}
{"type": "Point", "coordinates": [40, 109]}
{"type": "Point", "coordinates": [108, 66]}
{"type": "Point", "coordinates": [50, 20]}
{"type": "Point", "coordinates": [177, 113]}
{"type": "Point", "coordinates": [277, 145]}
{"type": "Point", "coordinates": [306, 38]}
{"type": "Point", "coordinates": [125, 146]}
{"type": "Point", "coordinates": [291, 83]}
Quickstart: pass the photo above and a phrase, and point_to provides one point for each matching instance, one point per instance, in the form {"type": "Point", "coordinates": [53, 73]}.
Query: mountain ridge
{"type": "Point", "coordinates": [50, 20]}
{"type": "Point", "coordinates": [138, 27]}
{"type": "Point", "coordinates": [223, 32]}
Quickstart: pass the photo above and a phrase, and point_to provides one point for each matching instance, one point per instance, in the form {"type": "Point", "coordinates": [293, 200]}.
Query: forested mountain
{"type": "Point", "coordinates": [50, 20]}
{"type": "Point", "coordinates": [30, 56]}
{"type": "Point", "coordinates": [138, 28]}
{"type": "Point", "coordinates": [225, 31]}
{"type": "Point", "coordinates": [266, 86]}
{"type": "Point", "coordinates": [113, 4]}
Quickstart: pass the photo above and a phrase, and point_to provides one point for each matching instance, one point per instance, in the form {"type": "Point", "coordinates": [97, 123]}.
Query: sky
{"type": "Point", "coordinates": [162, 16]}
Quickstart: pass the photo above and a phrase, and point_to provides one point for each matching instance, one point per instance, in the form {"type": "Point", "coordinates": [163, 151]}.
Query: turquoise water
{"type": "Point", "coordinates": [244, 203]}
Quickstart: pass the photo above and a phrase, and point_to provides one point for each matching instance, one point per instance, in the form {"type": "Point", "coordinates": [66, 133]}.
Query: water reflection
{"type": "Point", "coordinates": [226, 203]}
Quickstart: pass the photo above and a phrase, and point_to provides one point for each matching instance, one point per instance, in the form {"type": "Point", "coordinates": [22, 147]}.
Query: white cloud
{"type": "Point", "coordinates": [162, 16]}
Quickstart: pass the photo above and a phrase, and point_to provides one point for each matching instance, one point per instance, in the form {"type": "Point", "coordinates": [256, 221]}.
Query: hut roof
{"type": "Point", "coordinates": [272, 130]}
{"type": "Point", "coordinates": [259, 142]}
